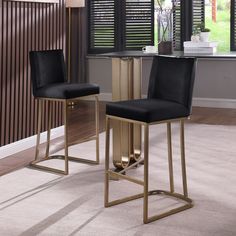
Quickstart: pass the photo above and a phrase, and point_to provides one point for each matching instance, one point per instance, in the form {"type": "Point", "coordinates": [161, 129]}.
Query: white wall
{"type": "Point", "coordinates": [215, 84]}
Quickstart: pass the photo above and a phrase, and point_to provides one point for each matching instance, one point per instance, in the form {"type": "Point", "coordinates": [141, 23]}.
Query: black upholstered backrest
{"type": "Point", "coordinates": [47, 67]}
{"type": "Point", "coordinates": [172, 79]}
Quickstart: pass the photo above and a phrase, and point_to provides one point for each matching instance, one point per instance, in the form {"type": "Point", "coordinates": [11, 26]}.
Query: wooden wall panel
{"type": "Point", "coordinates": [25, 26]}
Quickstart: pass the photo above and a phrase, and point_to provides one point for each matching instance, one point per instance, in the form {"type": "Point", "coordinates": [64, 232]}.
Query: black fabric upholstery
{"type": "Point", "coordinates": [67, 91]}
{"type": "Point", "coordinates": [47, 67]}
{"type": "Point", "coordinates": [48, 75]}
{"type": "Point", "coordinates": [172, 79]}
{"type": "Point", "coordinates": [147, 110]}
{"type": "Point", "coordinates": [169, 93]}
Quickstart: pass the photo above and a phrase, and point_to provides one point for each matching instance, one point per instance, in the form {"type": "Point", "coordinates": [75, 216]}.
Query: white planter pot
{"type": "Point", "coordinates": [204, 36]}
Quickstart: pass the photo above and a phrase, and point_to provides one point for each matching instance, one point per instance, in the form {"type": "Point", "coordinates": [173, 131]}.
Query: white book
{"type": "Point", "coordinates": [200, 50]}
{"type": "Point", "coordinates": [200, 44]}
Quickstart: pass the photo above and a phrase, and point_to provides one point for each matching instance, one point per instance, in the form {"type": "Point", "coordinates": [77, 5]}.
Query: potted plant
{"type": "Point", "coordinates": [204, 33]}
{"type": "Point", "coordinates": [195, 36]}
{"type": "Point", "coordinates": [164, 28]}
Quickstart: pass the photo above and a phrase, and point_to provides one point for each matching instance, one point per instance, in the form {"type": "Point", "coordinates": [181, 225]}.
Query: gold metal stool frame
{"type": "Point", "coordinates": [109, 173]}
{"type": "Point", "coordinates": [66, 157]}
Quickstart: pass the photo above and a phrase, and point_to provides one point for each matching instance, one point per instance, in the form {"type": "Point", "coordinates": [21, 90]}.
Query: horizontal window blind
{"type": "Point", "coordinates": [101, 25]}
{"type": "Point", "coordinates": [139, 18]}
{"type": "Point", "coordinates": [177, 41]}
{"type": "Point", "coordinates": [186, 16]}
{"type": "Point", "coordinates": [198, 12]}
{"type": "Point", "coordinates": [116, 25]}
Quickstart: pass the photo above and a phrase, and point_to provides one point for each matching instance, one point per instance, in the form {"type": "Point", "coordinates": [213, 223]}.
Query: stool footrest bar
{"type": "Point", "coordinates": [187, 205]}
{"type": "Point", "coordinates": [121, 176]}
{"type": "Point", "coordinates": [62, 157]}
{"type": "Point", "coordinates": [48, 169]}
{"type": "Point", "coordinates": [81, 160]}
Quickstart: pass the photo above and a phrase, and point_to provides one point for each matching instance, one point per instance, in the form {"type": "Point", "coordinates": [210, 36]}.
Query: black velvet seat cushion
{"type": "Point", "coordinates": [66, 90]}
{"type": "Point", "coordinates": [147, 110]}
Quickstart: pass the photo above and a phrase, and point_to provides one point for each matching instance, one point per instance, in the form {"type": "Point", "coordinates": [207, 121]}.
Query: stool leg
{"type": "Point", "coordinates": [49, 129]}
{"type": "Point", "coordinates": [97, 128]}
{"type": "Point", "coordinates": [184, 177]}
{"type": "Point", "coordinates": [146, 153]}
{"type": "Point", "coordinates": [38, 128]}
{"type": "Point", "coordinates": [66, 135]}
{"type": "Point", "coordinates": [106, 198]}
{"type": "Point", "coordinates": [171, 176]}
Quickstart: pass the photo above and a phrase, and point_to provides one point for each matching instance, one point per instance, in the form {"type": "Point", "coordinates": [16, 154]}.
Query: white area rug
{"type": "Point", "coordinates": [38, 203]}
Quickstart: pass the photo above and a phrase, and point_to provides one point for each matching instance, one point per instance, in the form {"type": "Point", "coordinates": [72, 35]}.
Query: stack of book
{"type": "Point", "coordinates": [200, 47]}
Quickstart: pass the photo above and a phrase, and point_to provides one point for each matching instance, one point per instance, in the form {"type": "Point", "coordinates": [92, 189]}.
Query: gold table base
{"type": "Point", "coordinates": [126, 85]}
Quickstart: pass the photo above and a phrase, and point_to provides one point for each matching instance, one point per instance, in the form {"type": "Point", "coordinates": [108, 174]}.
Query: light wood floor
{"type": "Point", "coordinates": [81, 124]}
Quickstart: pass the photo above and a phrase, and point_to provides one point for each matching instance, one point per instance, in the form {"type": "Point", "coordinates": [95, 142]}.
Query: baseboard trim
{"type": "Point", "coordinates": [105, 97]}
{"type": "Point", "coordinates": [29, 142]}
{"type": "Point", "coordinates": [198, 102]}
{"type": "Point", "coordinates": [214, 102]}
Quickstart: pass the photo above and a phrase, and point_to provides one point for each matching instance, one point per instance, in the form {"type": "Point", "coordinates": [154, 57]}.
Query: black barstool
{"type": "Point", "coordinates": [169, 99]}
{"type": "Point", "coordinates": [48, 75]}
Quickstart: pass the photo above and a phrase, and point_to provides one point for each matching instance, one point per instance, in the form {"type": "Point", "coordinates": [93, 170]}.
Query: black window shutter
{"type": "Point", "coordinates": [116, 25]}
{"type": "Point", "coordinates": [186, 15]}
{"type": "Point", "coordinates": [198, 12]}
{"type": "Point", "coordinates": [177, 29]}
{"type": "Point", "coordinates": [139, 24]}
{"type": "Point", "coordinates": [101, 34]}
{"type": "Point", "coordinates": [233, 26]}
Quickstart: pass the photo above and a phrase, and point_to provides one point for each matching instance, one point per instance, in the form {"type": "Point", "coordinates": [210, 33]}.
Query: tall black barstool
{"type": "Point", "coordinates": [48, 75]}
{"type": "Point", "coordinates": [169, 99]}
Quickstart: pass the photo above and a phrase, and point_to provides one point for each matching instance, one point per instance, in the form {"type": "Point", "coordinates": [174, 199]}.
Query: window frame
{"type": "Point", "coordinates": [186, 26]}
{"type": "Point", "coordinates": [232, 25]}
{"type": "Point", "coordinates": [119, 28]}
{"type": "Point", "coordinates": [187, 14]}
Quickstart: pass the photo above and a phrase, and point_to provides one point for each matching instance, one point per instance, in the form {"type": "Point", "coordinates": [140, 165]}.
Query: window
{"type": "Point", "coordinates": [217, 19]}
{"type": "Point", "coordinates": [102, 32]}
{"type": "Point", "coordinates": [163, 8]}
{"type": "Point", "coordinates": [177, 41]}
{"type": "Point", "coordinates": [116, 25]}
{"type": "Point", "coordinates": [187, 14]}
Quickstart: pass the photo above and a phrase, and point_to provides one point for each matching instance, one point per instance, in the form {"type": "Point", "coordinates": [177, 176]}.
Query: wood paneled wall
{"type": "Point", "coordinates": [25, 26]}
